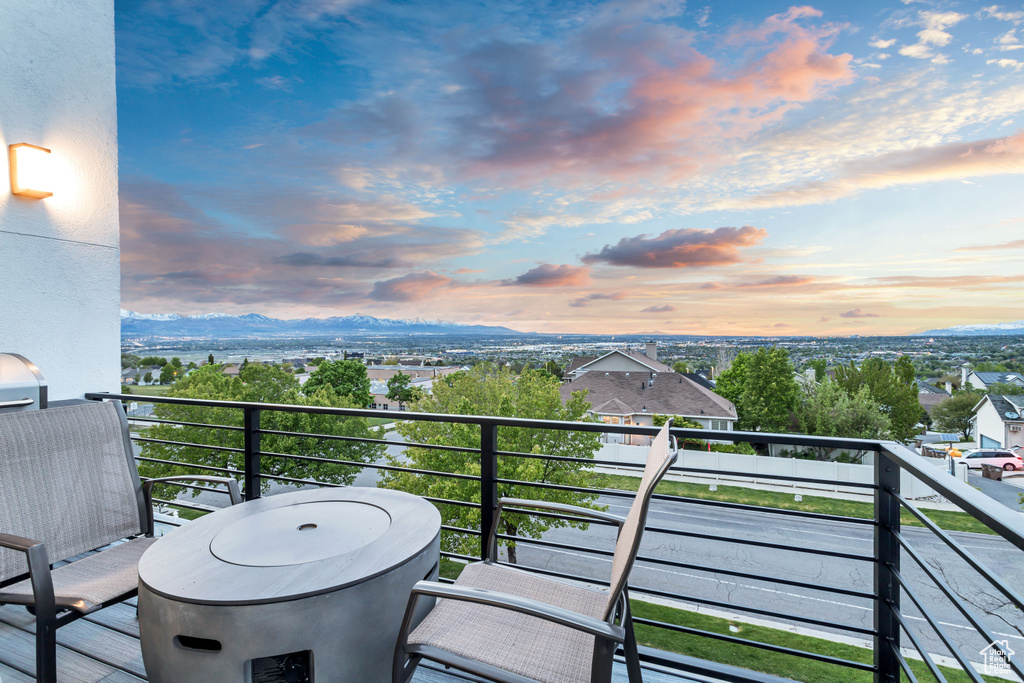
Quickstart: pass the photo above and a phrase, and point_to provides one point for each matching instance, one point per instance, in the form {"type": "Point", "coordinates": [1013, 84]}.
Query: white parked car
{"type": "Point", "coordinates": [1000, 457]}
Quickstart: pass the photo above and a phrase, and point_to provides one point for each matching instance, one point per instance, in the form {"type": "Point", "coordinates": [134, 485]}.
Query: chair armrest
{"type": "Point", "coordinates": [516, 603]}
{"type": "Point", "coordinates": [147, 491]}
{"type": "Point", "coordinates": [492, 537]}
{"type": "Point", "coordinates": [38, 571]}
{"type": "Point", "coordinates": [561, 507]}
{"type": "Point", "coordinates": [232, 485]}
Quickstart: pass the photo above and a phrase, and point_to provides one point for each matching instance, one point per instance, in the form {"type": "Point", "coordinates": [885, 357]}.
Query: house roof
{"type": "Point", "coordinates": [579, 361]}
{"type": "Point", "coordinates": [641, 358]}
{"type": "Point", "coordinates": [929, 401]}
{"type": "Point", "coordinates": [998, 377]}
{"type": "Point", "coordinates": [926, 388]}
{"type": "Point", "coordinates": [1006, 406]}
{"type": "Point", "coordinates": [699, 379]}
{"type": "Point", "coordinates": [667, 393]}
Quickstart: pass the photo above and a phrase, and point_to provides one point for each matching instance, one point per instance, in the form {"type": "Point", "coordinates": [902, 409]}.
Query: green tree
{"type": "Point", "coordinates": [955, 413]}
{"type": "Point", "coordinates": [494, 390]}
{"type": "Point", "coordinates": [148, 378]}
{"type": "Point", "coordinates": [259, 383]}
{"type": "Point", "coordinates": [762, 387]}
{"type": "Point", "coordinates": [827, 409]}
{"type": "Point", "coordinates": [152, 360]}
{"type": "Point", "coordinates": [209, 359]}
{"type": "Point", "coordinates": [391, 361]}
{"type": "Point", "coordinates": [171, 372]}
{"type": "Point", "coordinates": [1005, 389]}
{"type": "Point", "coordinates": [891, 386]}
{"type": "Point", "coordinates": [129, 360]}
{"type": "Point", "coordinates": [400, 389]}
{"type": "Point", "coordinates": [344, 378]}
{"type": "Point", "coordinates": [819, 365]}
{"type": "Point", "coordinates": [681, 367]}
{"type": "Point", "coordinates": [554, 368]}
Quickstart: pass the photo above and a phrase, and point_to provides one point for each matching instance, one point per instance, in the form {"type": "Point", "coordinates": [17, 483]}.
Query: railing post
{"type": "Point", "coordinates": [488, 481]}
{"type": "Point", "coordinates": [251, 478]}
{"type": "Point", "coordinates": [887, 558]}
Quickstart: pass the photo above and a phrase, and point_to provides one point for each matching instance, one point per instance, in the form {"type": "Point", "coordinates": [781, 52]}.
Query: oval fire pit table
{"type": "Point", "coordinates": [305, 586]}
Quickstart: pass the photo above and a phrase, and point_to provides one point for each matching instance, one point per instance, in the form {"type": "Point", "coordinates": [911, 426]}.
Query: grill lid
{"type": "Point", "coordinates": [22, 386]}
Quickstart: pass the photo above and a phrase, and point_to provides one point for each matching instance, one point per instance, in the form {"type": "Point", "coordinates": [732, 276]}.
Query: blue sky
{"type": "Point", "coordinates": [709, 168]}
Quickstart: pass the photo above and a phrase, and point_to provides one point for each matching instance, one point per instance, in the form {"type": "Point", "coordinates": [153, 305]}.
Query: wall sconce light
{"type": "Point", "coordinates": [30, 170]}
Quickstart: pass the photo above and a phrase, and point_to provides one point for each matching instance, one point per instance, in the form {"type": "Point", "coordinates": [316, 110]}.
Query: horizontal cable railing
{"type": "Point", "coordinates": [901, 634]}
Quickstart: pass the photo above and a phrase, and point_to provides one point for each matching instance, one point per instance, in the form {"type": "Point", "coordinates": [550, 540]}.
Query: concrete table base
{"type": "Point", "coordinates": [259, 597]}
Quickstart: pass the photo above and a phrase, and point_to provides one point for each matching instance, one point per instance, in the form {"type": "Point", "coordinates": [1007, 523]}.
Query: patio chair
{"type": "Point", "coordinates": [68, 485]}
{"type": "Point", "coordinates": [507, 624]}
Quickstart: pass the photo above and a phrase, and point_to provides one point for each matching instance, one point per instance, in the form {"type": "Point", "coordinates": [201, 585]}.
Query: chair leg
{"type": "Point", "coordinates": [46, 648]}
{"type": "Point", "coordinates": [629, 647]}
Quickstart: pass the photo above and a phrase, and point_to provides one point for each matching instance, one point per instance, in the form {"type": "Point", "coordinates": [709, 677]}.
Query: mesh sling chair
{"type": "Point", "coordinates": [511, 625]}
{"type": "Point", "coordinates": [68, 485]}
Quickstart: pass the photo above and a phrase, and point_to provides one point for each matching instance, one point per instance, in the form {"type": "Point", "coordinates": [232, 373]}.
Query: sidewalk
{"type": "Point", "coordinates": [1001, 491]}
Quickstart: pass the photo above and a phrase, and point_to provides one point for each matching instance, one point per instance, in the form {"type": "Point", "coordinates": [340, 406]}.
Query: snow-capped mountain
{"type": "Point", "coordinates": [977, 330]}
{"type": "Point", "coordinates": [252, 324]}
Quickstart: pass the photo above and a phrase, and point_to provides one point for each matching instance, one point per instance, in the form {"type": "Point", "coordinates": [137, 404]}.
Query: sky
{"type": "Point", "coordinates": [633, 167]}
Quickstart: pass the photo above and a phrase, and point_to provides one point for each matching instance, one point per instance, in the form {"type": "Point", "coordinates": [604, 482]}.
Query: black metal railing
{"type": "Point", "coordinates": [898, 566]}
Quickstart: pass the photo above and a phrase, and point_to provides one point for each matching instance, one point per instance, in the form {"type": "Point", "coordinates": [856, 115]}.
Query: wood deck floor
{"type": "Point", "coordinates": [105, 647]}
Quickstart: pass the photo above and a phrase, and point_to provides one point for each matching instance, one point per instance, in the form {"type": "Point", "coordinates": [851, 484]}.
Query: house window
{"type": "Point", "coordinates": [721, 425]}
{"type": "Point", "coordinates": [615, 420]}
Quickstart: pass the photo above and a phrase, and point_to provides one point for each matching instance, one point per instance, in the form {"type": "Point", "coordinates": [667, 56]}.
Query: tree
{"type": "Point", "coordinates": [681, 367]}
{"type": "Point", "coordinates": [344, 378]}
{"type": "Point", "coordinates": [209, 359]}
{"type": "Point", "coordinates": [148, 378]}
{"type": "Point", "coordinates": [554, 368]}
{"type": "Point", "coordinates": [150, 361]}
{"type": "Point", "coordinates": [892, 387]}
{"type": "Point", "coordinates": [171, 372]}
{"type": "Point", "coordinates": [955, 413]}
{"type": "Point", "coordinates": [1005, 389]}
{"type": "Point", "coordinates": [819, 366]}
{"type": "Point", "coordinates": [259, 383]}
{"type": "Point", "coordinates": [826, 409]}
{"type": "Point", "coordinates": [762, 387]}
{"type": "Point", "coordinates": [391, 361]}
{"type": "Point", "coordinates": [400, 389]}
{"type": "Point", "coordinates": [492, 390]}
{"type": "Point", "coordinates": [129, 360]}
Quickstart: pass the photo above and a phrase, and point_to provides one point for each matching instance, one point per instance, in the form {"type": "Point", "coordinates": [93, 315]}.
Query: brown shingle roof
{"type": "Point", "coordinates": [668, 394]}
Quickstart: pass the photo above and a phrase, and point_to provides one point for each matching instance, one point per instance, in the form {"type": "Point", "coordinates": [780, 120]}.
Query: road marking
{"type": "Point", "coordinates": [771, 590]}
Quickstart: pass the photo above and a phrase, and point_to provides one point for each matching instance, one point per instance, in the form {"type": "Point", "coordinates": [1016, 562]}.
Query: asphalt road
{"type": "Point", "coordinates": [779, 599]}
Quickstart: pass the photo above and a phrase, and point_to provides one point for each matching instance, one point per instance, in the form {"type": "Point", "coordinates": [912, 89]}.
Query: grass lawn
{"type": "Point", "coordinates": [151, 390]}
{"type": "Point", "coordinates": [752, 658]}
{"type": "Point", "coordinates": [946, 519]}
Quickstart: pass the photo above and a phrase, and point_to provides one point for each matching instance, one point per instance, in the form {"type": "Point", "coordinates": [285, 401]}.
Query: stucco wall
{"type": "Point", "coordinates": [59, 256]}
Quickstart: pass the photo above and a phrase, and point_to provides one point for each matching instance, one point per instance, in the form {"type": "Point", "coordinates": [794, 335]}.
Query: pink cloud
{"type": "Point", "coordinates": [549, 275]}
{"type": "Point", "coordinates": [667, 308]}
{"type": "Point", "coordinates": [411, 287]}
{"type": "Point", "coordinates": [781, 281]}
{"type": "Point", "coordinates": [583, 301]}
{"type": "Point", "coordinates": [681, 248]}
{"type": "Point", "coordinates": [856, 313]}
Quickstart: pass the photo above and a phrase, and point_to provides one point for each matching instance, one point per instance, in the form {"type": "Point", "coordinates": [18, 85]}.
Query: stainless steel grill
{"type": "Point", "coordinates": [22, 386]}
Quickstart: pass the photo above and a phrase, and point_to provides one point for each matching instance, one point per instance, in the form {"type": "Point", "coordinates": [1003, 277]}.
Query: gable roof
{"type": "Point", "coordinates": [926, 388]}
{"type": "Point", "coordinates": [998, 377]}
{"type": "Point", "coordinates": [668, 393]}
{"type": "Point", "coordinates": [641, 358]}
{"type": "Point", "coordinates": [699, 379]}
{"type": "Point", "coordinates": [579, 361]}
{"type": "Point", "coordinates": [1006, 405]}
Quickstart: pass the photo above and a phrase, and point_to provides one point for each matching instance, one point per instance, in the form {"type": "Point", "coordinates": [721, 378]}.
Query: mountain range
{"type": "Point", "coordinates": [220, 325]}
{"type": "Point", "coordinates": [1016, 328]}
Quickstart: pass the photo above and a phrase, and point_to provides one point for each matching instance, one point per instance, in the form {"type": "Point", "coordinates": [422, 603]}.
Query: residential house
{"type": "Point", "coordinates": [618, 360]}
{"type": "Point", "coordinates": [379, 391]}
{"type": "Point", "coordinates": [386, 372]}
{"type": "Point", "coordinates": [999, 421]}
{"type": "Point", "coordinates": [634, 398]}
{"type": "Point", "coordinates": [984, 380]}
{"type": "Point", "coordinates": [929, 395]}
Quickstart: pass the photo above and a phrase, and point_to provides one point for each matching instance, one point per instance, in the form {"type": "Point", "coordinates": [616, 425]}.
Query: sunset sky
{"type": "Point", "coordinates": [718, 168]}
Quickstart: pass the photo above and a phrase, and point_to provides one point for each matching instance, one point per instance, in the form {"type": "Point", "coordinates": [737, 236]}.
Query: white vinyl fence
{"type": "Point", "coordinates": [738, 467]}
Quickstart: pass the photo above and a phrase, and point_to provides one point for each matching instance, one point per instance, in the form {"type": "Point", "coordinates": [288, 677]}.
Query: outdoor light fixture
{"type": "Point", "coordinates": [30, 170]}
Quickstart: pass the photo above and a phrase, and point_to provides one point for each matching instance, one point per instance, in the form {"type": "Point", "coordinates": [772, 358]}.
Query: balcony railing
{"type": "Point", "coordinates": [909, 588]}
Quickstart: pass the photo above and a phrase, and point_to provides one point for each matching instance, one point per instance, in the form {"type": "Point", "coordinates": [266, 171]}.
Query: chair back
{"type": "Point", "coordinates": [659, 459]}
{"type": "Point", "coordinates": [67, 478]}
